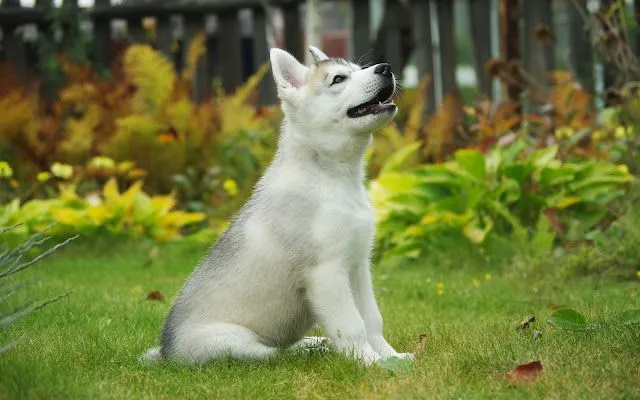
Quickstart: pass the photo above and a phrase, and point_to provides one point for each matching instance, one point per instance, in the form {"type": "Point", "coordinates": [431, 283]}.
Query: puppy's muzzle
{"type": "Point", "coordinates": [382, 102]}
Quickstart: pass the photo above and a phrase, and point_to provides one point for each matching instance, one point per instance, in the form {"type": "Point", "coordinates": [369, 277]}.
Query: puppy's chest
{"type": "Point", "coordinates": [345, 215]}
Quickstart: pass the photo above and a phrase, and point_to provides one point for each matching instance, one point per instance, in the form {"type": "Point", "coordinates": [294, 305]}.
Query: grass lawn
{"type": "Point", "coordinates": [85, 346]}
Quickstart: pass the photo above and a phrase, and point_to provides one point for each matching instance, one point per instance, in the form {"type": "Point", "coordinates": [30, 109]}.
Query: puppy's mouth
{"type": "Point", "coordinates": [381, 103]}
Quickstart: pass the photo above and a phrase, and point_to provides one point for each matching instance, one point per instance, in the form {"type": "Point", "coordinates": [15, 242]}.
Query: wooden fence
{"type": "Point", "coordinates": [406, 30]}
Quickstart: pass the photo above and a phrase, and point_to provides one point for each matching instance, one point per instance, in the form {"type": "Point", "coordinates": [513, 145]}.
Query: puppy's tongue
{"type": "Point", "coordinates": [380, 103]}
{"type": "Point", "coordinates": [370, 108]}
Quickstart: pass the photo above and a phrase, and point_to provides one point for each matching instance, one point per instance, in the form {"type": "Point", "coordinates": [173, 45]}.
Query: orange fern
{"type": "Point", "coordinates": [441, 129]}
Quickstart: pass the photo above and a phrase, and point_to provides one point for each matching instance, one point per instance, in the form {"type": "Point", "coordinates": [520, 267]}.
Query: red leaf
{"type": "Point", "coordinates": [486, 143]}
{"type": "Point", "coordinates": [155, 295]}
{"type": "Point", "coordinates": [525, 372]}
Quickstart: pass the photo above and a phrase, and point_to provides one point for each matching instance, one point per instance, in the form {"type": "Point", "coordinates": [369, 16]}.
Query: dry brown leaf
{"type": "Point", "coordinates": [525, 372]}
{"type": "Point", "coordinates": [572, 104]}
{"type": "Point", "coordinates": [155, 296]}
{"type": "Point", "coordinates": [508, 124]}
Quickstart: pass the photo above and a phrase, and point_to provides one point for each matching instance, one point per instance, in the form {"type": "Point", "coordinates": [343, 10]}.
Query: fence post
{"type": "Point", "coordinates": [608, 68]}
{"type": "Point", "coordinates": [361, 26]}
{"type": "Point", "coordinates": [391, 36]}
{"type": "Point", "coordinates": [538, 34]}
{"type": "Point", "coordinates": [200, 85]}
{"type": "Point", "coordinates": [230, 45]}
{"type": "Point", "coordinates": [71, 7]}
{"type": "Point", "coordinates": [45, 52]}
{"type": "Point", "coordinates": [480, 16]}
{"type": "Point", "coordinates": [510, 41]}
{"type": "Point", "coordinates": [102, 38]}
{"type": "Point", "coordinates": [14, 48]}
{"type": "Point", "coordinates": [447, 46]}
{"type": "Point", "coordinates": [164, 35]}
{"type": "Point", "coordinates": [636, 11]}
{"type": "Point", "coordinates": [293, 31]}
{"type": "Point", "coordinates": [580, 39]}
{"type": "Point", "coordinates": [424, 49]}
{"type": "Point", "coordinates": [266, 94]}
{"type": "Point", "coordinates": [135, 30]}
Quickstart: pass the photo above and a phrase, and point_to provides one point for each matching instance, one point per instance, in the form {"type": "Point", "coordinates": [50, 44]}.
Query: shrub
{"type": "Point", "coordinates": [510, 190]}
{"type": "Point", "coordinates": [108, 211]}
{"type": "Point", "coordinates": [142, 114]}
{"type": "Point", "coordinates": [613, 251]}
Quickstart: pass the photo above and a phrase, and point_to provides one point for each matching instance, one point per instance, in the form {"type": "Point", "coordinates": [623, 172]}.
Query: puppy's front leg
{"type": "Point", "coordinates": [366, 302]}
{"type": "Point", "coordinates": [332, 301]}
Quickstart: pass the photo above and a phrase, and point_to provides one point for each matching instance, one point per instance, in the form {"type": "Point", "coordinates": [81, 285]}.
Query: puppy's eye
{"type": "Point", "coordinates": [338, 79]}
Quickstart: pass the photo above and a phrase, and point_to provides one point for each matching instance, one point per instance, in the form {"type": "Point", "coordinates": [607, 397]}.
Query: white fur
{"type": "Point", "coordinates": [298, 253]}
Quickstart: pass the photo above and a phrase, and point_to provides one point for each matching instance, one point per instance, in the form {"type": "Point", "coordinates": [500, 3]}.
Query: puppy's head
{"type": "Point", "coordinates": [334, 95]}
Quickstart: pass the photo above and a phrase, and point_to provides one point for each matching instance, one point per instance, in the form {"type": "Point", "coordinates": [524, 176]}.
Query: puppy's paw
{"type": "Point", "coordinates": [409, 356]}
{"type": "Point", "coordinates": [370, 358]}
{"type": "Point", "coordinates": [404, 356]}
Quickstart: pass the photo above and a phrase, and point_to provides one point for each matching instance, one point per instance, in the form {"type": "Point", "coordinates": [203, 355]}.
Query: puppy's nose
{"type": "Point", "coordinates": [383, 69]}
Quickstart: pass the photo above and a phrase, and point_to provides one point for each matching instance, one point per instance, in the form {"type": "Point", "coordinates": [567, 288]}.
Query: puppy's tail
{"type": "Point", "coordinates": [151, 356]}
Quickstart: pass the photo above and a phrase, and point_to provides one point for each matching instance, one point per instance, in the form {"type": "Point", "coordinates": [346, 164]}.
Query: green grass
{"type": "Point", "coordinates": [86, 345]}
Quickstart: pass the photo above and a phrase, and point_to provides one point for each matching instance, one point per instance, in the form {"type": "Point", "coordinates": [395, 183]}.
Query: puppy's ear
{"type": "Point", "coordinates": [317, 54]}
{"type": "Point", "coordinates": [288, 73]}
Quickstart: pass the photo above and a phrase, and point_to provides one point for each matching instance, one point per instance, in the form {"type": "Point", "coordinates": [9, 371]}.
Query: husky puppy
{"type": "Point", "coordinates": [298, 252]}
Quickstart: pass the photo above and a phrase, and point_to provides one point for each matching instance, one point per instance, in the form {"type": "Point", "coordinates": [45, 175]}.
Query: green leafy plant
{"type": "Point", "coordinates": [14, 261]}
{"type": "Point", "coordinates": [510, 190]}
{"type": "Point", "coordinates": [109, 211]}
{"type": "Point", "coordinates": [569, 319]}
{"type": "Point", "coordinates": [220, 189]}
{"type": "Point", "coordinates": [613, 251]}
{"type": "Point", "coordinates": [142, 114]}
{"type": "Point", "coordinates": [396, 365]}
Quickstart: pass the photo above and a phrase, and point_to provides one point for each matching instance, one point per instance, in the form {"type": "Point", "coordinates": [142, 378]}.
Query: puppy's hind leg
{"type": "Point", "coordinates": [201, 344]}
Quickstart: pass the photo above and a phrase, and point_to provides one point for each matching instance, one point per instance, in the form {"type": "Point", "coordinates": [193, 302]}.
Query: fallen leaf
{"type": "Point", "coordinates": [525, 372]}
{"type": "Point", "coordinates": [396, 364]}
{"type": "Point", "coordinates": [537, 335]}
{"type": "Point", "coordinates": [567, 318]}
{"type": "Point", "coordinates": [155, 295]}
{"type": "Point", "coordinates": [527, 322]}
